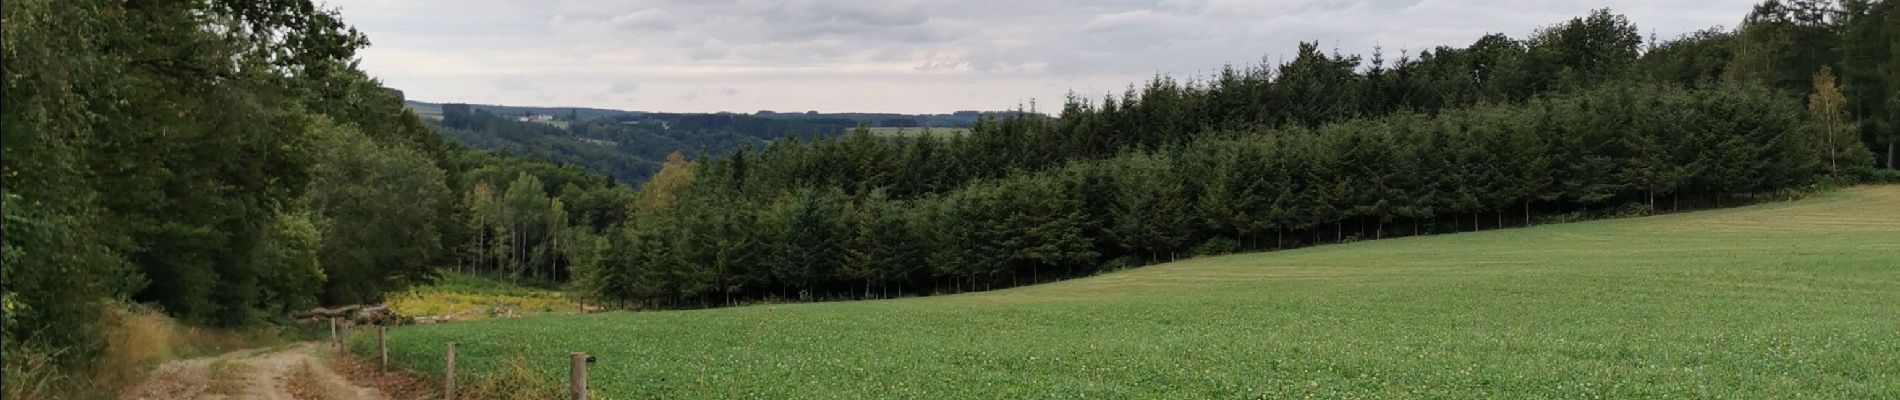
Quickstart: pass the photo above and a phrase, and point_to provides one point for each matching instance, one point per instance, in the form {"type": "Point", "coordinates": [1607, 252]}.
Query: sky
{"type": "Point", "coordinates": [908, 56]}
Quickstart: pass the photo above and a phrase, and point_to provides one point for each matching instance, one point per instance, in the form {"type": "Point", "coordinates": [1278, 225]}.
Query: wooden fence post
{"type": "Point", "coordinates": [334, 341]}
{"type": "Point", "coordinates": [448, 371]}
{"type": "Point", "coordinates": [382, 344]}
{"type": "Point", "coordinates": [577, 375]}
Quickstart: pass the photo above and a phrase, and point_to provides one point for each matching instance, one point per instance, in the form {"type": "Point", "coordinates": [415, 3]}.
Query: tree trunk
{"type": "Point", "coordinates": [514, 254]}
{"type": "Point", "coordinates": [1833, 160]}
{"type": "Point", "coordinates": [1527, 211]}
{"type": "Point", "coordinates": [1890, 152]}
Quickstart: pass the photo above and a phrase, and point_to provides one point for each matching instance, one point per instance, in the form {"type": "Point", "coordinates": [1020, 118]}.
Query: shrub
{"type": "Point", "coordinates": [1217, 246]}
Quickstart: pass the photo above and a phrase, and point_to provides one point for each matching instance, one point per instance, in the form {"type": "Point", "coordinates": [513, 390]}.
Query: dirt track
{"type": "Point", "coordinates": [296, 372]}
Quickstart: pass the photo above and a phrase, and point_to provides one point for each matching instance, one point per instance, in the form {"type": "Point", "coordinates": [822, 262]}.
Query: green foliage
{"type": "Point", "coordinates": [600, 154]}
{"type": "Point", "coordinates": [182, 154]}
{"type": "Point", "coordinates": [451, 282]}
{"type": "Point", "coordinates": [377, 206]}
{"type": "Point", "coordinates": [815, 237]}
{"type": "Point", "coordinates": [54, 243]}
{"type": "Point", "coordinates": [1784, 43]}
{"type": "Point", "coordinates": [1829, 134]}
{"type": "Point", "coordinates": [292, 279]}
{"type": "Point", "coordinates": [1695, 59]}
{"type": "Point", "coordinates": [1593, 48]}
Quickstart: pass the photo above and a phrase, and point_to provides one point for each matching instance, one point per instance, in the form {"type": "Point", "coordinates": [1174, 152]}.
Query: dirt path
{"type": "Point", "coordinates": [296, 372]}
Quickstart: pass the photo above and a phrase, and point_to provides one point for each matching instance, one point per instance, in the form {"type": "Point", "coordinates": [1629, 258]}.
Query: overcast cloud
{"type": "Point", "coordinates": [903, 55]}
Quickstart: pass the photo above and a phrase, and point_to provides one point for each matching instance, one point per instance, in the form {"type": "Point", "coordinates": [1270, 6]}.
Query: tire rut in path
{"type": "Point", "coordinates": [295, 372]}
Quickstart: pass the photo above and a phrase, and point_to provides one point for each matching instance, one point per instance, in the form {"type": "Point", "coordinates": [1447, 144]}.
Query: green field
{"type": "Point", "coordinates": [426, 110]}
{"type": "Point", "coordinates": [1783, 300]}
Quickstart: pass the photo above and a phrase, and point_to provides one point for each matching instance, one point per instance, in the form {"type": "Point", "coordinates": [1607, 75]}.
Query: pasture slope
{"type": "Point", "coordinates": [1784, 300]}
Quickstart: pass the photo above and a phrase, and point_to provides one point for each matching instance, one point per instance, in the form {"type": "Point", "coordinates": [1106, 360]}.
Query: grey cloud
{"type": "Point", "coordinates": [989, 53]}
{"type": "Point", "coordinates": [512, 83]}
{"type": "Point", "coordinates": [623, 88]}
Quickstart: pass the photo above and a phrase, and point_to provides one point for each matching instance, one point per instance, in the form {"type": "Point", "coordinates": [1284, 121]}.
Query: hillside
{"type": "Point", "coordinates": [629, 145]}
{"type": "Point", "coordinates": [956, 119]}
{"type": "Point", "coordinates": [1789, 299]}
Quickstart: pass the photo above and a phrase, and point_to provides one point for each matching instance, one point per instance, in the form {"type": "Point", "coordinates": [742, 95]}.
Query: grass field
{"type": "Point", "coordinates": [1783, 300]}
{"type": "Point", "coordinates": [430, 111]}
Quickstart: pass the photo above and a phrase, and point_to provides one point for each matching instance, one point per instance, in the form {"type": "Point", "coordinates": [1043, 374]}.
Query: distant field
{"type": "Point", "coordinates": [919, 131]}
{"type": "Point", "coordinates": [1784, 300]}
{"type": "Point", "coordinates": [427, 110]}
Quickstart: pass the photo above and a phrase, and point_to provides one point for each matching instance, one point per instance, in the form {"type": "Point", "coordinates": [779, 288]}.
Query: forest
{"type": "Point", "coordinates": [227, 162]}
{"type": "Point", "coordinates": [1582, 119]}
{"type": "Point", "coordinates": [223, 161]}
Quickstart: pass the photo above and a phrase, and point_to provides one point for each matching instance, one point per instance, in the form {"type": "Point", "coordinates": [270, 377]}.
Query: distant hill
{"type": "Point", "coordinates": [959, 119]}
{"type": "Point", "coordinates": [433, 110]}
{"type": "Point", "coordinates": [628, 145]}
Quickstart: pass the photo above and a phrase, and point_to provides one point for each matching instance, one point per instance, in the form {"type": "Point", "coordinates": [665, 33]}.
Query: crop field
{"type": "Point", "coordinates": [1783, 300]}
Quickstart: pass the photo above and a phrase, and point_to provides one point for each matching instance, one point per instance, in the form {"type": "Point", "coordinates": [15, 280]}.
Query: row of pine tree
{"type": "Point", "coordinates": [1581, 119]}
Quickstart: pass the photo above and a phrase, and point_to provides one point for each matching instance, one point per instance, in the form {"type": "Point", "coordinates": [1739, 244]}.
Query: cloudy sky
{"type": "Point", "coordinates": [914, 56]}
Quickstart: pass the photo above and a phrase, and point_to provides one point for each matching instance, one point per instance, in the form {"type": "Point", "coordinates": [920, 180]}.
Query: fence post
{"type": "Point", "coordinates": [448, 371]}
{"type": "Point", "coordinates": [577, 375]}
{"type": "Point", "coordinates": [333, 339]}
{"type": "Point", "coordinates": [382, 344]}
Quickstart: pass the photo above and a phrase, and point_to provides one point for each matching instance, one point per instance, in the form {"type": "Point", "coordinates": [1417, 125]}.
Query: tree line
{"type": "Point", "coordinates": [722, 230]}
{"type": "Point", "coordinates": [679, 246]}
{"type": "Point", "coordinates": [1582, 118]}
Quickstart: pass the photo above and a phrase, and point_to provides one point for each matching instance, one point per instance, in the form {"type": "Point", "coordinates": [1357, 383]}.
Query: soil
{"type": "Point", "coordinates": [304, 371]}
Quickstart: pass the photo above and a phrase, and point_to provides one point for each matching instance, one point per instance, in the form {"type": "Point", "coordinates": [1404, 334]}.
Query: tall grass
{"type": "Point", "coordinates": [31, 374]}
{"type": "Point", "coordinates": [138, 339]}
{"type": "Point", "coordinates": [466, 297]}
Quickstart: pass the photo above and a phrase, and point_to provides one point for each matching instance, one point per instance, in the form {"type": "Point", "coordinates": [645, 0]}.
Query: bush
{"type": "Point", "coordinates": [1884, 176]}
{"type": "Point", "coordinates": [1217, 246]}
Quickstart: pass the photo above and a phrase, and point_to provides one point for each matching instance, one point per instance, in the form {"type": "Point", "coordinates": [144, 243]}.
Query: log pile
{"type": "Point", "coordinates": [378, 314]}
